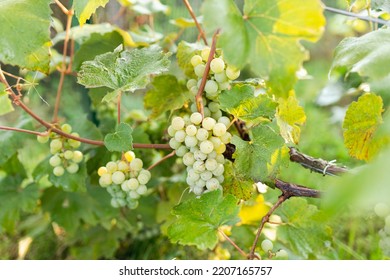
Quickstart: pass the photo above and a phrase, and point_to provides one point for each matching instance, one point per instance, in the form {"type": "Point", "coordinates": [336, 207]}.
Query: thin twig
{"type": "Point", "coordinates": [365, 18]}
{"type": "Point", "coordinates": [233, 243]}
{"type": "Point", "coordinates": [62, 7]}
{"type": "Point", "coordinates": [191, 11]}
{"type": "Point", "coordinates": [22, 130]}
{"type": "Point", "coordinates": [198, 98]}
{"type": "Point", "coordinates": [171, 154]}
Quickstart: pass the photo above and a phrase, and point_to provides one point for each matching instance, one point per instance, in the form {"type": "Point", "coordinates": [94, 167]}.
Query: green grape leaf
{"type": "Point", "coordinates": [198, 219]}
{"type": "Point", "coordinates": [123, 70]}
{"type": "Point", "coordinates": [68, 209]}
{"type": "Point", "coordinates": [27, 49]}
{"type": "Point", "coordinates": [360, 123]}
{"type": "Point", "coordinates": [367, 55]}
{"type": "Point", "coordinates": [121, 140]}
{"type": "Point", "coordinates": [266, 35]}
{"type": "Point", "coordinates": [5, 102]}
{"type": "Point", "coordinates": [167, 94]}
{"type": "Point", "coordinates": [290, 116]}
{"type": "Point", "coordinates": [185, 51]}
{"type": "Point", "coordinates": [253, 158]}
{"type": "Point", "coordinates": [85, 8]}
{"type": "Point", "coordinates": [14, 198]}
{"type": "Point", "coordinates": [96, 44]}
{"type": "Point", "coordinates": [241, 102]}
{"type": "Point", "coordinates": [303, 228]}
{"type": "Point", "coordinates": [238, 186]}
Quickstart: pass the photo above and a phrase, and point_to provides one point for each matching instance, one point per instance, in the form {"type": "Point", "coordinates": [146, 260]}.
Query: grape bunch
{"type": "Point", "coordinates": [64, 157]}
{"type": "Point", "coordinates": [383, 211]}
{"type": "Point", "coordinates": [201, 143]}
{"type": "Point", "coordinates": [125, 180]}
{"type": "Point", "coordinates": [220, 75]}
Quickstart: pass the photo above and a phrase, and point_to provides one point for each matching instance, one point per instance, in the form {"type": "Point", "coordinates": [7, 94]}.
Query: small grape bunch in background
{"type": "Point", "coordinates": [65, 157]}
{"type": "Point", "coordinates": [125, 180]}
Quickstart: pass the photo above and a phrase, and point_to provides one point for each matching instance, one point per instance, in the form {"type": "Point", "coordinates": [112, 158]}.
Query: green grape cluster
{"type": "Point", "coordinates": [201, 143]}
{"type": "Point", "coordinates": [65, 157]}
{"type": "Point", "coordinates": [125, 180]}
{"type": "Point", "coordinates": [383, 211]}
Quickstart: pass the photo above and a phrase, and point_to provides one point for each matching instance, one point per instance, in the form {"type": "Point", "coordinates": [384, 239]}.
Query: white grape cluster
{"type": "Point", "coordinates": [125, 180]}
{"type": "Point", "coordinates": [64, 156]}
{"type": "Point", "coordinates": [383, 210]}
{"type": "Point", "coordinates": [201, 143]}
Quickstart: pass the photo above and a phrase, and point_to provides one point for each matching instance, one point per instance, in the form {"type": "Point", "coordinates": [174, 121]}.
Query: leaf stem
{"type": "Point", "coordinates": [365, 18]}
{"type": "Point", "coordinates": [233, 243]}
{"type": "Point", "coordinates": [198, 98]}
{"type": "Point", "coordinates": [62, 7]}
{"type": "Point", "coordinates": [171, 154]}
{"type": "Point", "coordinates": [191, 11]}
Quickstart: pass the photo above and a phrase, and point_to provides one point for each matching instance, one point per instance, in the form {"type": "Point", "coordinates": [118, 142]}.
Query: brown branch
{"type": "Point", "coordinates": [21, 130]}
{"type": "Point", "coordinates": [317, 165]}
{"type": "Point", "coordinates": [233, 243]}
{"type": "Point", "coordinates": [191, 11]}
{"type": "Point", "coordinates": [62, 7]}
{"type": "Point", "coordinates": [198, 98]}
{"type": "Point", "coordinates": [171, 154]}
{"type": "Point", "coordinates": [240, 126]}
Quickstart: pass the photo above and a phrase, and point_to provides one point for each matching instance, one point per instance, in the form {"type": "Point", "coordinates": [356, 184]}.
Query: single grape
{"type": "Point", "coordinates": [129, 155]}
{"type": "Point", "coordinates": [223, 86]}
{"type": "Point", "coordinates": [111, 166]}
{"type": "Point", "coordinates": [212, 155]}
{"type": "Point", "coordinates": [73, 168]}
{"type": "Point", "coordinates": [177, 123]}
{"type": "Point", "coordinates": [197, 190]}
{"type": "Point", "coordinates": [43, 139]}
{"type": "Point", "coordinates": [202, 134]}
{"type": "Point", "coordinates": [123, 166]}
{"type": "Point", "coordinates": [206, 175]}
{"type": "Point", "coordinates": [171, 132]}
{"type": "Point", "coordinates": [74, 143]}
{"type": "Point", "coordinates": [208, 123]}
{"type": "Point", "coordinates": [115, 203]}
{"type": "Point", "coordinates": [196, 60]}
{"type": "Point", "coordinates": [133, 184]}
{"type": "Point", "coordinates": [136, 164]}
{"type": "Point", "coordinates": [219, 170]}
{"type": "Point", "coordinates": [213, 106]}
{"type": "Point", "coordinates": [267, 245]}
{"type": "Point", "coordinates": [199, 70]}
{"type": "Point", "coordinates": [66, 128]}
{"type": "Point", "coordinates": [188, 159]}
{"type": "Point", "coordinates": [142, 189]}
{"type": "Point", "coordinates": [58, 171]}
{"type": "Point", "coordinates": [174, 144]}
{"type": "Point", "coordinates": [198, 155]}
{"type": "Point", "coordinates": [118, 177]}
{"type": "Point", "coordinates": [191, 141]}
{"type": "Point", "coordinates": [211, 87]}
{"type": "Point", "coordinates": [205, 53]}
{"type": "Point", "coordinates": [194, 90]}
{"type": "Point", "coordinates": [125, 186]}
{"type": "Point", "coordinates": [196, 118]}
{"type": "Point", "coordinates": [217, 65]}
{"type": "Point", "coordinates": [212, 184]}
{"type": "Point", "coordinates": [132, 204]}
{"type": "Point", "coordinates": [191, 83]}
{"type": "Point", "coordinates": [180, 135]}
{"type": "Point", "coordinates": [102, 170]}
{"type": "Point", "coordinates": [77, 156]}
{"type": "Point", "coordinates": [200, 183]}
{"type": "Point", "coordinates": [193, 175]}
{"type": "Point", "coordinates": [191, 130]}
{"type": "Point", "coordinates": [220, 77]}
{"type": "Point", "coordinates": [143, 179]}
{"type": "Point", "coordinates": [199, 166]}
{"type": "Point", "coordinates": [220, 179]}
{"type": "Point", "coordinates": [282, 254]}
{"type": "Point", "coordinates": [216, 141]}
{"type": "Point", "coordinates": [232, 73]}
{"type": "Point", "coordinates": [226, 138]}
{"type": "Point", "coordinates": [68, 154]}
{"type": "Point", "coordinates": [134, 195]}
{"type": "Point", "coordinates": [211, 164]}
{"type": "Point", "coordinates": [216, 115]}
{"type": "Point", "coordinates": [382, 209]}
{"type": "Point", "coordinates": [55, 161]}
{"type": "Point", "coordinates": [206, 112]}
{"type": "Point", "coordinates": [56, 144]}
{"type": "Point", "coordinates": [206, 147]}
{"type": "Point", "coordinates": [220, 158]}
{"type": "Point", "coordinates": [224, 120]}
{"type": "Point", "coordinates": [181, 151]}
{"type": "Point", "coordinates": [219, 129]}
{"type": "Point", "coordinates": [221, 149]}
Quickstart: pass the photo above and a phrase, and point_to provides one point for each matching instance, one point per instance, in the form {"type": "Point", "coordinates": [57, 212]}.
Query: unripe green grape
{"type": "Point", "coordinates": [196, 60]}
{"type": "Point", "coordinates": [118, 177]}
{"type": "Point", "coordinates": [55, 161]}
{"type": "Point", "coordinates": [206, 147]}
{"type": "Point", "coordinates": [122, 202]}
{"type": "Point", "coordinates": [111, 166]}
{"type": "Point", "coordinates": [267, 245]}
{"type": "Point", "coordinates": [217, 65]}
{"type": "Point", "coordinates": [193, 175]}
{"type": "Point", "coordinates": [73, 168]}
{"type": "Point", "coordinates": [212, 95]}
{"type": "Point", "coordinates": [212, 155]}
{"type": "Point", "coordinates": [130, 155]}
{"type": "Point", "coordinates": [226, 138]}
{"type": "Point", "coordinates": [174, 144]}
{"type": "Point", "coordinates": [136, 164]}
{"type": "Point", "coordinates": [191, 130]}
{"type": "Point", "coordinates": [199, 166]}
{"type": "Point", "coordinates": [146, 173]}
{"type": "Point", "coordinates": [219, 170]}
{"type": "Point", "coordinates": [132, 204]}
{"type": "Point", "coordinates": [123, 166]}
{"type": "Point", "coordinates": [211, 87]}
{"type": "Point", "coordinates": [58, 171]}
{"type": "Point", "coordinates": [224, 120]}
{"type": "Point", "coordinates": [202, 134]}
{"type": "Point", "coordinates": [199, 70]}
{"type": "Point", "coordinates": [43, 139]}
{"type": "Point", "coordinates": [197, 190]}
{"type": "Point", "coordinates": [66, 128]}
{"type": "Point", "coordinates": [216, 115]}
{"type": "Point", "coordinates": [77, 156]}
{"type": "Point", "coordinates": [212, 184]}
{"type": "Point", "coordinates": [181, 151]}
{"type": "Point", "coordinates": [142, 189]}
{"type": "Point", "coordinates": [223, 86]}
{"type": "Point", "coordinates": [191, 141]}
{"type": "Point", "coordinates": [177, 123]}
{"type": "Point", "coordinates": [206, 112]}
{"type": "Point", "coordinates": [115, 203]}
{"type": "Point", "coordinates": [125, 186]}
{"type": "Point", "coordinates": [200, 183]}
{"type": "Point", "coordinates": [211, 164]}
{"type": "Point", "coordinates": [232, 73]}
{"type": "Point", "coordinates": [68, 154]}
{"type": "Point", "coordinates": [134, 195]}
{"type": "Point", "coordinates": [102, 170]}
{"type": "Point", "coordinates": [221, 149]}
{"type": "Point", "coordinates": [74, 143]}
{"type": "Point", "coordinates": [382, 209]}
{"type": "Point", "coordinates": [171, 131]}
{"type": "Point", "coordinates": [56, 144]}
{"type": "Point", "coordinates": [143, 179]}
{"type": "Point", "coordinates": [220, 179]}
{"type": "Point", "coordinates": [198, 155]}
{"type": "Point", "coordinates": [191, 83]}
{"type": "Point", "coordinates": [220, 158]}
{"type": "Point", "coordinates": [196, 118]}
{"type": "Point", "coordinates": [180, 135]}
{"type": "Point", "coordinates": [206, 175]}
{"type": "Point", "coordinates": [205, 53]}
{"type": "Point", "coordinates": [220, 77]}
{"type": "Point", "coordinates": [219, 129]}
{"type": "Point", "coordinates": [213, 107]}
{"type": "Point", "coordinates": [216, 141]}
{"type": "Point", "coordinates": [133, 184]}
{"type": "Point", "coordinates": [282, 254]}
{"type": "Point", "coordinates": [194, 90]}
{"type": "Point", "coordinates": [188, 159]}
{"type": "Point", "coordinates": [190, 182]}
{"type": "Point", "coordinates": [208, 123]}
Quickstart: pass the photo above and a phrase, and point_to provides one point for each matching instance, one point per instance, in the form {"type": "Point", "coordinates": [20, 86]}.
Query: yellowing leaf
{"type": "Point", "coordinates": [252, 212]}
{"type": "Point", "coordinates": [85, 8]}
{"type": "Point", "coordinates": [361, 121]}
{"type": "Point", "coordinates": [290, 116]}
